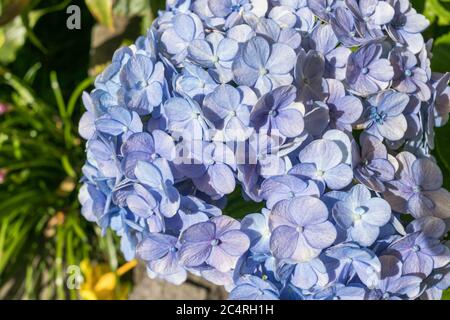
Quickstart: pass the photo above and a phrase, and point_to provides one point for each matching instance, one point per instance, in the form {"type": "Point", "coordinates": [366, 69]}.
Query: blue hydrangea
{"type": "Point", "coordinates": [143, 83]}
{"type": "Point", "coordinates": [218, 243]}
{"type": "Point", "coordinates": [329, 169]}
{"type": "Point", "coordinates": [323, 111]}
{"type": "Point", "coordinates": [263, 65]}
{"type": "Point", "coordinates": [384, 115]}
{"type": "Point", "coordinates": [300, 229]}
{"type": "Point", "coordinates": [361, 215]}
{"type": "Point", "coordinates": [417, 188]}
{"type": "Point", "coordinates": [367, 72]}
{"type": "Point", "coordinates": [215, 53]}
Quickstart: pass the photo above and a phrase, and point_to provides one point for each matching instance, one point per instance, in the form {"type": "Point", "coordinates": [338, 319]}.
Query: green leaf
{"type": "Point", "coordinates": [102, 10]}
{"type": "Point", "coordinates": [158, 5]}
{"type": "Point", "coordinates": [10, 9]}
{"type": "Point", "coordinates": [237, 207]}
{"type": "Point", "coordinates": [446, 295]}
{"type": "Point", "coordinates": [443, 152]}
{"type": "Point", "coordinates": [437, 10]}
{"type": "Point", "coordinates": [35, 15]}
{"type": "Point", "coordinates": [68, 166]}
{"type": "Point", "coordinates": [131, 8]}
{"type": "Point", "coordinates": [419, 5]}
{"type": "Point", "coordinates": [441, 54]}
{"type": "Point", "coordinates": [13, 35]}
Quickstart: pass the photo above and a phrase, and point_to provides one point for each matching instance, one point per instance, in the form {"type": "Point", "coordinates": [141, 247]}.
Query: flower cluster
{"type": "Point", "coordinates": [323, 109]}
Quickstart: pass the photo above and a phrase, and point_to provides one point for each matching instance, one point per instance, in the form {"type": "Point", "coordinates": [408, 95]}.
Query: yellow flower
{"type": "Point", "coordinates": [101, 283]}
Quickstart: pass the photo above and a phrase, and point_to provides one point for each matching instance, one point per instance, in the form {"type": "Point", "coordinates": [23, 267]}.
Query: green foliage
{"type": "Point", "coordinates": [441, 53]}
{"type": "Point", "coordinates": [39, 213]}
{"type": "Point", "coordinates": [41, 229]}
{"type": "Point", "coordinates": [102, 10]}
{"type": "Point", "coordinates": [12, 38]}
{"type": "Point", "coordinates": [9, 9]}
{"type": "Point", "coordinates": [438, 10]}
{"type": "Point", "coordinates": [446, 295]}
{"type": "Point", "coordinates": [238, 208]}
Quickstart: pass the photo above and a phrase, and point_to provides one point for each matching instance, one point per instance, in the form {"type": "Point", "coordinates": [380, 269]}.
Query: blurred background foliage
{"type": "Point", "coordinates": [44, 68]}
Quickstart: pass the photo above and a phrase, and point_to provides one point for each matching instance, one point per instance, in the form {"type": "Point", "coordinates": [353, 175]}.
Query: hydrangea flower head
{"type": "Point", "coordinates": [418, 188]}
{"type": "Point", "coordinates": [321, 111]}
{"type": "Point", "coordinates": [362, 215]}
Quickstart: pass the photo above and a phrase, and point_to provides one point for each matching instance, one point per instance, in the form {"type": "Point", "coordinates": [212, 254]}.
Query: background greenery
{"type": "Point", "coordinates": [44, 67]}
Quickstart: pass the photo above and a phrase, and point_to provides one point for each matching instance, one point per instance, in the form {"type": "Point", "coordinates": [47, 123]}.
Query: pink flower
{"type": "Point", "coordinates": [4, 108]}
{"type": "Point", "coordinates": [3, 174]}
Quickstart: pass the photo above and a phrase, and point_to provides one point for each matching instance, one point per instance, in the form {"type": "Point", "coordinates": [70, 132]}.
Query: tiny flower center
{"type": "Point", "coordinates": [273, 113]}
{"type": "Point", "coordinates": [197, 115]}
{"type": "Point", "coordinates": [378, 117]}
{"type": "Point", "coordinates": [328, 9]}
{"type": "Point", "coordinates": [215, 59]}
{"type": "Point", "coordinates": [438, 277]}
{"type": "Point", "coordinates": [320, 173]}
{"type": "Point", "coordinates": [416, 248]}
{"type": "Point", "coordinates": [141, 84]}
{"type": "Point", "coordinates": [299, 229]}
{"type": "Point", "coordinates": [215, 242]}
{"type": "Point", "coordinates": [263, 71]}
{"type": "Point", "coordinates": [357, 214]}
{"type": "Point", "coordinates": [264, 277]}
{"type": "Point", "coordinates": [124, 128]}
{"type": "Point", "coordinates": [236, 7]}
{"type": "Point", "coordinates": [365, 70]}
{"type": "Point", "coordinates": [408, 73]}
{"type": "Point", "coordinates": [399, 22]}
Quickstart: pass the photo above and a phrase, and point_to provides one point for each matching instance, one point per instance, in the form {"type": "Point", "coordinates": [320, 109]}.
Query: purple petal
{"type": "Point", "coordinates": [155, 246]}
{"type": "Point", "coordinates": [364, 234]}
{"type": "Point", "coordinates": [417, 263]}
{"type": "Point", "coordinates": [200, 232]}
{"type": "Point", "coordinates": [221, 260]}
{"type": "Point", "coordinates": [307, 211]}
{"type": "Point", "coordinates": [321, 235]}
{"type": "Point", "coordinates": [338, 177]}
{"type": "Point", "coordinates": [427, 174]}
{"type": "Point", "coordinates": [222, 178]}
{"type": "Point", "coordinates": [283, 242]}
{"type": "Point", "coordinates": [379, 212]}
{"type": "Point", "coordinates": [290, 123]}
{"type": "Point", "coordinates": [304, 276]}
{"type": "Point", "coordinates": [234, 242]}
{"type": "Point", "coordinates": [282, 59]}
{"type": "Point", "coordinates": [224, 224]}
{"type": "Point", "coordinates": [393, 128]}
{"type": "Point", "coordinates": [392, 103]}
{"type": "Point", "coordinates": [139, 207]}
{"type": "Point", "coordinates": [325, 154]}
{"type": "Point", "coordinates": [194, 254]}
